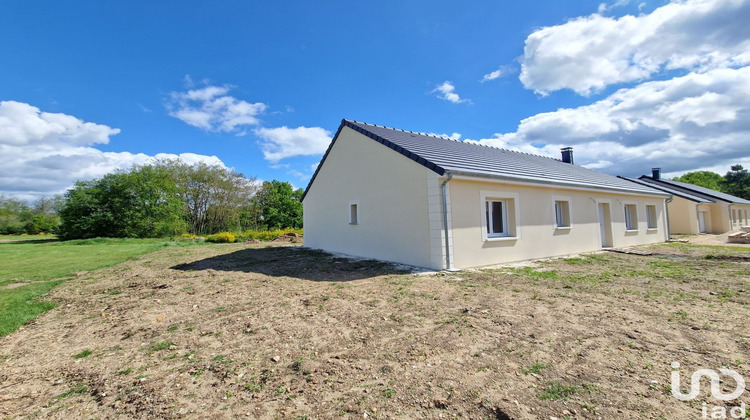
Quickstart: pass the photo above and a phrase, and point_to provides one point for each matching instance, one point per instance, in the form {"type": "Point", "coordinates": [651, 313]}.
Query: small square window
{"type": "Point", "coordinates": [353, 214]}
{"type": "Point", "coordinates": [651, 216]}
{"type": "Point", "coordinates": [631, 217]}
{"type": "Point", "coordinates": [562, 213]}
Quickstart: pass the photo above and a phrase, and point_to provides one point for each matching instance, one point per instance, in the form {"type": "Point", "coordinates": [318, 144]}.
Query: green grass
{"type": "Point", "coordinates": [557, 391]}
{"type": "Point", "coordinates": [160, 346]}
{"type": "Point", "coordinates": [82, 354]}
{"type": "Point", "coordinates": [536, 369]}
{"type": "Point", "coordinates": [5, 238]}
{"type": "Point", "coordinates": [44, 262]}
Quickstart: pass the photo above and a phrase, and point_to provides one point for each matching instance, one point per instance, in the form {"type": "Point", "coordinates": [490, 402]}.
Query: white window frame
{"type": "Point", "coordinates": [652, 224]}
{"type": "Point", "coordinates": [490, 218]}
{"type": "Point", "coordinates": [511, 221]}
{"type": "Point", "coordinates": [357, 217]}
{"type": "Point", "coordinates": [627, 206]}
{"type": "Point", "coordinates": [567, 202]}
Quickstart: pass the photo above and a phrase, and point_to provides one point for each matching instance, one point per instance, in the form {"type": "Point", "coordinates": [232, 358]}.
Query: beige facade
{"type": "Point", "coordinates": [368, 200]}
{"type": "Point", "coordinates": [532, 221]}
{"type": "Point", "coordinates": [689, 217]}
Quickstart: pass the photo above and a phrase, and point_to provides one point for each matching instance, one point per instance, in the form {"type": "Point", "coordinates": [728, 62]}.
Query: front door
{"type": "Point", "coordinates": [702, 221]}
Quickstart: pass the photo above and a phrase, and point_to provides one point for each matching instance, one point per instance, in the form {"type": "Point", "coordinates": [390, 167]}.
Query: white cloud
{"type": "Point", "coordinates": [587, 54]}
{"type": "Point", "coordinates": [23, 124]}
{"type": "Point", "coordinates": [44, 153]}
{"type": "Point", "coordinates": [604, 7]}
{"type": "Point", "coordinates": [447, 91]}
{"type": "Point", "coordinates": [700, 120]}
{"type": "Point", "coordinates": [283, 142]}
{"type": "Point", "coordinates": [454, 136]}
{"type": "Point", "coordinates": [212, 109]}
{"type": "Point", "coordinates": [502, 71]}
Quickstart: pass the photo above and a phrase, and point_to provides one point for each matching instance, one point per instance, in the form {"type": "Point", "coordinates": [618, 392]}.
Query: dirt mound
{"type": "Point", "coordinates": [253, 241]}
{"type": "Point", "coordinates": [289, 237]}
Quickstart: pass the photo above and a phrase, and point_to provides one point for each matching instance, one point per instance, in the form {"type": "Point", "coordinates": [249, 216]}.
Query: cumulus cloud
{"type": "Point", "coordinates": [700, 120]}
{"type": "Point", "coordinates": [283, 142]}
{"type": "Point", "coordinates": [45, 153]}
{"type": "Point", "coordinates": [500, 72]}
{"type": "Point", "coordinates": [587, 54]}
{"type": "Point", "coordinates": [447, 91]}
{"type": "Point", "coordinates": [211, 108]}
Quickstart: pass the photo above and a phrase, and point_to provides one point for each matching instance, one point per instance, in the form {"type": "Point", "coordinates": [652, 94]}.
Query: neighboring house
{"type": "Point", "coordinates": [696, 209]}
{"type": "Point", "coordinates": [433, 202]}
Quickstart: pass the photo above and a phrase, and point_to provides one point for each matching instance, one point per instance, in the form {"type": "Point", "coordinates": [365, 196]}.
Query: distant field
{"type": "Point", "coordinates": [32, 265]}
{"type": "Point", "coordinates": [274, 331]}
{"type": "Point", "coordinates": [9, 238]}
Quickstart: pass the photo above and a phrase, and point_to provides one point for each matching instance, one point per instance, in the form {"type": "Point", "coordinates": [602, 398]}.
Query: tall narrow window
{"type": "Point", "coordinates": [651, 216]}
{"type": "Point", "coordinates": [562, 213]}
{"type": "Point", "coordinates": [353, 214]}
{"type": "Point", "coordinates": [497, 218]}
{"type": "Point", "coordinates": [631, 217]}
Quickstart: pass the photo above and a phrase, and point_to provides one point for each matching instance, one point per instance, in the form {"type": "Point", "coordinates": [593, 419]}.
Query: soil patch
{"type": "Point", "coordinates": [274, 331]}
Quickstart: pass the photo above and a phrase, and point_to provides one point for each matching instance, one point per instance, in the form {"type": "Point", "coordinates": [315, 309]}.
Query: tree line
{"type": "Point", "coordinates": [18, 217]}
{"type": "Point", "coordinates": [735, 182]}
{"type": "Point", "coordinates": [166, 198]}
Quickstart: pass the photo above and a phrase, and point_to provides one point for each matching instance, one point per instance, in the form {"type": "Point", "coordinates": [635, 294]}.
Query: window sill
{"type": "Point", "coordinates": [500, 238]}
{"type": "Point", "coordinates": [562, 227]}
{"type": "Point", "coordinates": [353, 224]}
{"type": "Point", "coordinates": [652, 230]}
{"type": "Point", "coordinates": [631, 230]}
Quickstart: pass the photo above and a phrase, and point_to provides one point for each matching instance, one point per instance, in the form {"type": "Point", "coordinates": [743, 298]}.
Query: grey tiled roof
{"type": "Point", "coordinates": [667, 189]}
{"type": "Point", "coordinates": [461, 158]}
{"type": "Point", "coordinates": [697, 190]}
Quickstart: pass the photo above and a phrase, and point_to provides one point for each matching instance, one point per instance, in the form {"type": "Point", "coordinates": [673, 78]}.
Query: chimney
{"type": "Point", "coordinates": [656, 173]}
{"type": "Point", "coordinates": [567, 155]}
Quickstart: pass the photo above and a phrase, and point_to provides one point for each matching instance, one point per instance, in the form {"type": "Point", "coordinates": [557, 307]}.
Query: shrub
{"type": "Point", "coordinates": [266, 235]}
{"type": "Point", "coordinates": [221, 237]}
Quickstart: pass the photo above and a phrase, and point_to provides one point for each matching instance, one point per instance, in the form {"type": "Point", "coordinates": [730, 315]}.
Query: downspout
{"type": "Point", "coordinates": [666, 209]}
{"type": "Point", "coordinates": [445, 221]}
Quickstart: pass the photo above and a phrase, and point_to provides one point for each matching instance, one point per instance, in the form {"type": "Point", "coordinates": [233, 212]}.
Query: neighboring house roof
{"type": "Point", "coordinates": [462, 158]}
{"type": "Point", "coordinates": [696, 190]}
{"type": "Point", "coordinates": [673, 191]}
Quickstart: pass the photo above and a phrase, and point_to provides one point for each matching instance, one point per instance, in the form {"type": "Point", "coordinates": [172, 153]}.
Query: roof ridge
{"type": "Point", "coordinates": [472, 142]}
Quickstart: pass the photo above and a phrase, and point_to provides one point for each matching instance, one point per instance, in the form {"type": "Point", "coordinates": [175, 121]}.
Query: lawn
{"type": "Point", "coordinates": [275, 331]}
{"type": "Point", "coordinates": [32, 265]}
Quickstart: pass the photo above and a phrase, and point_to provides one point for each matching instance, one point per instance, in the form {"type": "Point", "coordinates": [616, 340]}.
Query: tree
{"type": "Point", "coordinates": [277, 205]}
{"type": "Point", "coordinates": [737, 182]}
{"type": "Point", "coordinates": [213, 196]}
{"type": "Point", "coordinates": [142, 202]}
{"type": "Point", "coordinates": [705, 179]}
{"type": "Point", "coordinates": [14, 214]}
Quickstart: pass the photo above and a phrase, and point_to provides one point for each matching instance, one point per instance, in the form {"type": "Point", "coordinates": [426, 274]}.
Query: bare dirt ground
{"type": "Point", "coordinates": [274, 331]}
{"type": "Point", "coordinates": [710, 239]}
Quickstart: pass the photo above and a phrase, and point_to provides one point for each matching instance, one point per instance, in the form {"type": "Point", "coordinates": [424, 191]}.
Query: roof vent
{"type": "Point", "coordinates": [567, 155]}
{"type": "Point", "coordinates": [656, 173]}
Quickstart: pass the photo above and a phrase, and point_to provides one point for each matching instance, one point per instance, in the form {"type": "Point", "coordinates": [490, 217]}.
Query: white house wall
{"type": "Point", "coordinates": [391, 192]}
{"type": "Point", "coordinates": [538, 237]}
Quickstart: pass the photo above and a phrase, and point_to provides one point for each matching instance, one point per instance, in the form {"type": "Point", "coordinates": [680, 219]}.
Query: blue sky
{"type": "Point", "coordinates": [87, 87]}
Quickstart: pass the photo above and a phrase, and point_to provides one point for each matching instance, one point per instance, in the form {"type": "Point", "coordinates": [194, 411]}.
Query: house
{"type": "Point", "coordinates": [695, 209]}
{"type": "Point", "coordinates": [434, 202]}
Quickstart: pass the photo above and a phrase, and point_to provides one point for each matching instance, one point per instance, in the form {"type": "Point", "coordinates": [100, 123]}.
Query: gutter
{"type": "Point", "coordinates": [519, 180]}
{"type": "Point", "coordinates": [445, 221]}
